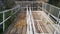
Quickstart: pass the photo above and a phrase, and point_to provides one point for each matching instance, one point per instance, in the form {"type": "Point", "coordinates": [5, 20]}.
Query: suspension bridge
{"type": "Point", "coordinates": [33, 17]}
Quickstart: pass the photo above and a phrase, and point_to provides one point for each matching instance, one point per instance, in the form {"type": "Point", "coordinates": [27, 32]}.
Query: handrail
{"type": "Point", "coordinates": [13, 9]}
{"type": "Point", "coordinates": [56, 29]}
{"type": "Point", "coordinates": [53, 6]}
{"type": "Point", "coordinates": [50, 10]}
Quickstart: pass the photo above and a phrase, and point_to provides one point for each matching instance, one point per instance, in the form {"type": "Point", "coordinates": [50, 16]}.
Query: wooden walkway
{"type": "Point", "coordinates": [20, 26]}
{"type": "Point", "coordinates": [41, 25]}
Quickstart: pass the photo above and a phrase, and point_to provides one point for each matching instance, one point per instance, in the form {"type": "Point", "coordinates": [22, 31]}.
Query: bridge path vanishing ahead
{"type": "Point", "coordinates": [32, 22]}
{"type": "Point", "coordinates": [20, 26]}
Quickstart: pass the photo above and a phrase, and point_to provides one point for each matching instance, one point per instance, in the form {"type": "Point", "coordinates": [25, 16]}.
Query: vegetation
{"type": "Point", "coordinates": [55, 2]}
{"type": "Point", "coordinates": [7, 4]}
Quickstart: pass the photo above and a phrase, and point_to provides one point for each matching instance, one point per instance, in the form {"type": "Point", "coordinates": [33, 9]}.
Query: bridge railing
{"type": "Point", "coordinates": [7, 14]}
{"type": "Point", "coordinates": [52, 10]}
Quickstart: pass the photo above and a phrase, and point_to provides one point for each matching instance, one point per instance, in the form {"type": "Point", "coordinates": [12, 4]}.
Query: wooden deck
{"type": "Point", "coordinates": [20, 26]}
{"type": "Point", "coordinates": [41, 25]}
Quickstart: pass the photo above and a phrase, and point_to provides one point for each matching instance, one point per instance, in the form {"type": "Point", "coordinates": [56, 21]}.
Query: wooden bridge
{"type": "Point", "coordinates": [31, 20]}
